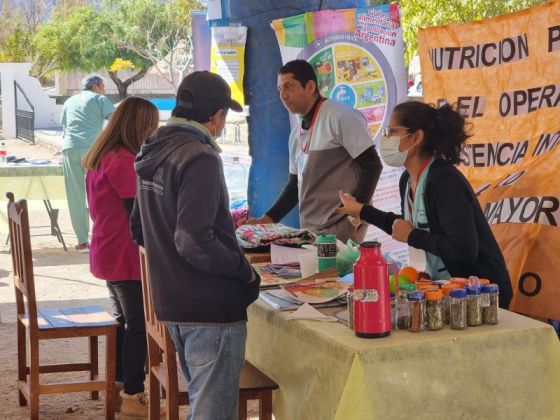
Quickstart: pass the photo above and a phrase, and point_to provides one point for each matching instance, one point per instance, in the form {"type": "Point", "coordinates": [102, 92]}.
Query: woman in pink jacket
{"type": "Point", "coordinates": [111, 188]}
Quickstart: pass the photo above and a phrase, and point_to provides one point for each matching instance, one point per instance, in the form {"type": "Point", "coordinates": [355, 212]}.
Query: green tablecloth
{"type": "Point", "coordinates": [508, 371]}
{"type": "Point", "coordinates": [34, 183]}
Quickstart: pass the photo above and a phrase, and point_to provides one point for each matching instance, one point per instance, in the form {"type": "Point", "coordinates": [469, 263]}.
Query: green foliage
{"type": "Point", "coordinates": [81, 38]}
{"type": "Point", "coordinates": [16, 46]}
{"type": "Point", "coordinates": [426, 13]}
{"type": "Point", "coordinates": [157, 31]}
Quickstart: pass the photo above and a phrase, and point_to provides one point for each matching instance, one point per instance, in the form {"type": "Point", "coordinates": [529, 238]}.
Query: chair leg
{"type": "Point", "coordinates": [34, 378]}
{"type": "Point", "coordinates": [172, 386]}
{"type": "Point", "coordinates": [242, 408]}
{"type": "Point", "coordinates": [153, 383]}
{"type": "Point", "coordinates": [22, 362]}
{"type": "Point", "coordinates": [154, 396]}
{"type": "Point", "coordinates": [265, 406]}
{"type": "Point", "coordinates": [110, 367]}
{"type": "Point", "coordinates": [93, 364]}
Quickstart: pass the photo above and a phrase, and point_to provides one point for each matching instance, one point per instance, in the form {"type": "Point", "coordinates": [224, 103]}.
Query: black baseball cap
{"type": "Point", "coordinates": [205, 93]}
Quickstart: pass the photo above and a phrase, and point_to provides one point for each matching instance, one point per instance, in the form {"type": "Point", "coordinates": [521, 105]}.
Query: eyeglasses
{"type": "Point", "coordinates": [389, 131]}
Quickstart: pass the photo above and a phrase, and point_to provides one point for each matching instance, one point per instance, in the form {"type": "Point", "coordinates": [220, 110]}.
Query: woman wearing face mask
{"type": "Point", "coordinates": [440, 212]}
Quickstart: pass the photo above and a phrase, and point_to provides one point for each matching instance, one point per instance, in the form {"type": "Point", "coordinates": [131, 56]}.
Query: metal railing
{"type": "Point", "coordinates": [25, 118]}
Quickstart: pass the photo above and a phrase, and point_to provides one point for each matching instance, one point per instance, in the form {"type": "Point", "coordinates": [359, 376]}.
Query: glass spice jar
{"type": "Point", "coordinates": [402, 312]}
{"type": "Point", "coordinates": [416, 308]}
{"type": "Point", "coordinates": [489, 299]}
{"type": "Point", "coordinates": [474, 307]}
{"type": "Point", "coordinates": [445, 290]}
{"type": "Point", "coordinates": [350, 304]}
{"type": "Point", "coordinates": [434, 310]}
{"type": "Point", "coordinates": [458, 309]}
{"type": "Point", "coordinates": [393, 311]}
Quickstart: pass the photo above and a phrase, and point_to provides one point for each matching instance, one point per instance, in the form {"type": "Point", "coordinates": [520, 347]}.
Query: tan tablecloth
{"type": "Point", "coordinates": [508, 371]}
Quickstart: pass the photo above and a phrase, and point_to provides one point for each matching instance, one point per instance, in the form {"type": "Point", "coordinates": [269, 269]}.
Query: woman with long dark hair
{"type": "Point", "coordinates": [111, 188]}
{"type": "Point", "coordinates": [440, 212]}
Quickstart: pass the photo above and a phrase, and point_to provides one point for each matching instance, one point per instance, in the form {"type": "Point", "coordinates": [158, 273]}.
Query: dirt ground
{"type": "Point", "coordinates": [62, 279]}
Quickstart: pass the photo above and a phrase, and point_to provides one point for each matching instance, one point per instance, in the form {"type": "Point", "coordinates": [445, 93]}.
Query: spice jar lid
{"type": "Point", "coordinates": [427, 287]}
{"type": "Point", "coordinates": [440, 283]}
{"type": "Point", "coordinates": [416, 296]}
{"type": "Point", "coordinates": [460, 281]}
{"type": "Point", "coordinates": [489, 288]}
{"type": "Point", "coordinates": [484, 282]}
{"type": "Point", "coordinates": [446, 288]}
{"type": "Point", "coordinates": [433, 294]}
{"type": "Point", "coordinates": [407, 286]}
{"type": "Point", "coordinates": [458, 293]}
{"type": "Point", "coordinates": [472, 290]}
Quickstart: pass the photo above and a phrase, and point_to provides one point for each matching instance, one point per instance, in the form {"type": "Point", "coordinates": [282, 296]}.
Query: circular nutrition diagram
{"type": "Point", "coordinates": [354, 73]}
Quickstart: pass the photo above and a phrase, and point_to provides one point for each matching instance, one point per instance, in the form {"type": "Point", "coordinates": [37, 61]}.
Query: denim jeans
{"type": "Point", "coordinates": [211, 358]}
{"type": "Point", "coordinates": [128, 309]}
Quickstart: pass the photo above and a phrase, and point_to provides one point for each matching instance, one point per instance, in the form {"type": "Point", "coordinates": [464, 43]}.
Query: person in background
{"type": "Point", "coordinates": [440, 212]}
{"type": "Point", "coordinates": [82, 119]}
{"type": "Point", "coordinates": [111, 188]}
{"type": "Point", "coordinates": [330, 149]}
{"type": "Point", "coordinates": [200, 279]}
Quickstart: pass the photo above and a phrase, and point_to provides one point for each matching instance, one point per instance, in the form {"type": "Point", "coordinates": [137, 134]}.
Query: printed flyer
{"type": "Point", "coordinates": [227, 57]}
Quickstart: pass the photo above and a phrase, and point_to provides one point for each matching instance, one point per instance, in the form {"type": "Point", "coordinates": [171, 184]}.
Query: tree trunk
{"type": "Point", "coordinates": [122, 85]}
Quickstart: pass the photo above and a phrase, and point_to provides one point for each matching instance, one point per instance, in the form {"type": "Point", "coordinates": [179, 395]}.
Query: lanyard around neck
{"type": "Point", "coordinates": [305, 144]}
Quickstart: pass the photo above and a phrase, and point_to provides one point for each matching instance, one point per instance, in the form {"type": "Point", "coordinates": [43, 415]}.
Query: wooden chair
{"type": "Point", "coordinates": [165, 373]}
{"type": "Point", "coordinates": [90, 321]}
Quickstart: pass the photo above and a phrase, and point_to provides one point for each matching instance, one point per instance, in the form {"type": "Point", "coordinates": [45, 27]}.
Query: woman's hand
{"type": "Point", "coordinates": [349, 205]}
{"type": "Point", "coordinates": [401, 230]}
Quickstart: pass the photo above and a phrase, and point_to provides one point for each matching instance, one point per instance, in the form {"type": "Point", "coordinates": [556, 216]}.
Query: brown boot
{"type": "Point", "coordinates": [134, 406]}
{"type": "Point", "coordinates": [118, 400]}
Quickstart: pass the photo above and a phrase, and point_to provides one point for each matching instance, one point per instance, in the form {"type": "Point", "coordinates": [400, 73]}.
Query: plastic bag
{"type": "Point", "coordinates": [345, 259]}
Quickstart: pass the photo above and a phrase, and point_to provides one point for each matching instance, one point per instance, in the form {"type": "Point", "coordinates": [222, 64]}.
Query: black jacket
{"type": "Point", "coordinates": [198, 272]}
{"type": "Point", "coordinates": [459, 233]}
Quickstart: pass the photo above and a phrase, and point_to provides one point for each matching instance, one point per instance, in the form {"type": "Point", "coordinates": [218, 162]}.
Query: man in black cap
{"type": "Point", "coordinates": [201, 282]}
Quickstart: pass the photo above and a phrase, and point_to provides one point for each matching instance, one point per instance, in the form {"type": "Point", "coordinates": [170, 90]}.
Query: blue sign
{"type": "Point", "coordinates": [344, 94]}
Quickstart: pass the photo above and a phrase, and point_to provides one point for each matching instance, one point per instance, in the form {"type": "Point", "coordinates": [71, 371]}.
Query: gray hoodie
{"type": "Point", "coordinates": [198, 271]}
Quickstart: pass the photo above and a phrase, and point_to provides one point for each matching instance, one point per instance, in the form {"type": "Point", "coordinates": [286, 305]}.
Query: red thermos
{"type": "Point", "coordinates": [372, 301]}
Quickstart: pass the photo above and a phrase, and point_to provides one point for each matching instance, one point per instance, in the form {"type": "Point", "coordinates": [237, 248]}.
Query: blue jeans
{"type": "Point", "coordinates": [211, 358]}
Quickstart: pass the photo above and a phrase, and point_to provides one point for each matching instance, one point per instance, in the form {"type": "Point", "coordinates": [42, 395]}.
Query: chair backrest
{"type": "Point", "coordinates": [154, 328]}
{"type": "Point", "coordinates": [22, 260]}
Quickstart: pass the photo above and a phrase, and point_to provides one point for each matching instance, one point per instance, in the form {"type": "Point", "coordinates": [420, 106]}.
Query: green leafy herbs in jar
{"type": "Point", "coordinates": [434, 310]}
{"type": "Point", "coordinates": [490, 300]}
{"type": "Point", "coordinates": [474, 307]}
{"type": "Point", "coordinates": [458, 309]}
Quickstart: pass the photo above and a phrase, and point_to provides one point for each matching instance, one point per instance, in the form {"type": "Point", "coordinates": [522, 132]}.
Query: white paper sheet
{"type": "Point", "coordinates": [308, 312]}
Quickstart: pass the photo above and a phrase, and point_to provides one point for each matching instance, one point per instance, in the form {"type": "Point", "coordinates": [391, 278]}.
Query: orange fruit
{"type": "Point", "coordinates": [410, 273]}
